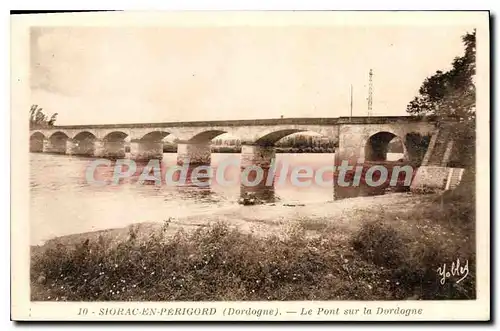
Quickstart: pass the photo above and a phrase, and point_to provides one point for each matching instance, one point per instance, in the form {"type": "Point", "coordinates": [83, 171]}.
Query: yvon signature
{"type": "Point", "coordinates": [455, 270]}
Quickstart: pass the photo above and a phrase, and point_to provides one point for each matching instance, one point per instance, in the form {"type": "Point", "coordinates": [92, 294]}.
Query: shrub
{"type": "Point", "coordinates": [379, 243]}
{"type": "Point", "coordinates": [413, 260]}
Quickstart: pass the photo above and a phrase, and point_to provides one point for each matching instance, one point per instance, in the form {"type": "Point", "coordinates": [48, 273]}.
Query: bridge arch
{"type": "Point", "coordinates": [36, 142]}
{"type": "Point", "coordinates": [269, 139]}
{"type": "Point", "coordinates": [112, 145]}
{"type": "Point", "coordinates": [206, 136]}
{"type": "Point", "coordinates": [83, 143]}
{"type": "Point", "coordinates": [150, 145]}
{"type": "Point", "coordinates": [58, 135]}
{"type": "Point", "coordinates": [156, 136]}
{"type": "Point", "coordinates": [38, 135]}
{"type": "Point", "coordinates": [57, 143]}
{"type": "Point", "coordinates": [115, 136]}
{"type": "Point", "coordinates": [272, 137]}
{"type": "Point", "coordinates": [198, 148]}
{"type": "Point", "coordinates": [84, 135]}
{"type": "Point", "coordinates": [377, 146]}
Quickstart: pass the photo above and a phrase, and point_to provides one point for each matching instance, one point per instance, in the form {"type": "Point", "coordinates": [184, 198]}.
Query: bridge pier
{"type": "Point", "coordinates": [260, 156]}
{"type": "Point", "coordinates": [196, 153]}
{"type": "Point", "coordinates": [111, 149]}
{"type": "Point", "coordinates": [145, 150]}
{"type": "Point", "coordinates": [71, 147]}
{"type": "Point", "coordinates": [259, 193]}
{"type": "Point", "coordinates": [57, 146]}
{"type": "Point", "coordinates": [254, 188]}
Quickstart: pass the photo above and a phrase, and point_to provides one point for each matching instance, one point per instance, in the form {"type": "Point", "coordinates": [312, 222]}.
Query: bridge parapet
{"type": "Point", "coordinates": [256, 122]}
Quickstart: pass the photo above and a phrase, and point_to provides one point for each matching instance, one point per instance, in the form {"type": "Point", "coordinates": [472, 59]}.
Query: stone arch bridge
{"type": "Point", "coordinates": [359, 139]}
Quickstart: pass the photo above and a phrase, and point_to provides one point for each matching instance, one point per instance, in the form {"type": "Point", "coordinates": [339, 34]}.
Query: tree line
{"type": "Point", "coordinates": [296, 140]}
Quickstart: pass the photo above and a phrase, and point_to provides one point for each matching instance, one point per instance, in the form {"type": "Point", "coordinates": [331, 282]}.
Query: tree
{"type": "Point", "coordinates": [39, 120]}
{"type": "Point", "coordinates": [52, 119]}
{"type": "Point", "coordinates": [451, 93]}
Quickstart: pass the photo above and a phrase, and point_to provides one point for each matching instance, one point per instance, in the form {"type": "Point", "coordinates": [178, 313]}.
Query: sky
{"type": "Point", "coordinates": [104, 75]}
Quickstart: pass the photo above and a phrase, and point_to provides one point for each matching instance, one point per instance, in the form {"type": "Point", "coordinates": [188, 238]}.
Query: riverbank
{"type": "Point", "coordinates": [262, 220]}
{"type": "Point", "coordinates": [367, 248]}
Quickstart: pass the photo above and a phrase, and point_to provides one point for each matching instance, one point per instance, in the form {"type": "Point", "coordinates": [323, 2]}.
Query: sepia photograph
{"type": "Point", "coordinates": [228, 163]}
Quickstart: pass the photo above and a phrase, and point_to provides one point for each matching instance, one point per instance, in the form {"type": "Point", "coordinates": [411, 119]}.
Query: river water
{"type": "Point", "coordinates": [64, 202]}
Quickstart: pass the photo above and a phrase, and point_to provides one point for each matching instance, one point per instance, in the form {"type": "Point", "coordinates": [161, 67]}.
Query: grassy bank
{"type": "Point", "coordinates": [389, 256]}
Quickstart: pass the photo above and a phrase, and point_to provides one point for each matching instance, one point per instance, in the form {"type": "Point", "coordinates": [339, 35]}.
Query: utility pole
{"type": "Point", "coordinates": [370, 92]}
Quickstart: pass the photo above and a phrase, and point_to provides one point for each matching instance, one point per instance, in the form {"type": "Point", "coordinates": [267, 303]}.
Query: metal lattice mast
{"type": "Point", "coordinates": [370, 92]}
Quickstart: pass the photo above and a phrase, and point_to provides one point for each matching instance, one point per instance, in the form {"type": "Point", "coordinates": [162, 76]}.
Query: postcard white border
{"type": "Point", "coordinates": [24, 309]}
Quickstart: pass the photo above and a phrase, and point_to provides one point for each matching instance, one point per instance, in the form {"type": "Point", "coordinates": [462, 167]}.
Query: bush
{"type": "Point", "coordinates": [413, 260]}
{"type": "Point", "coordinates": [379, 243]}
{"type": "Point", "coordinates": [212, 263]}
